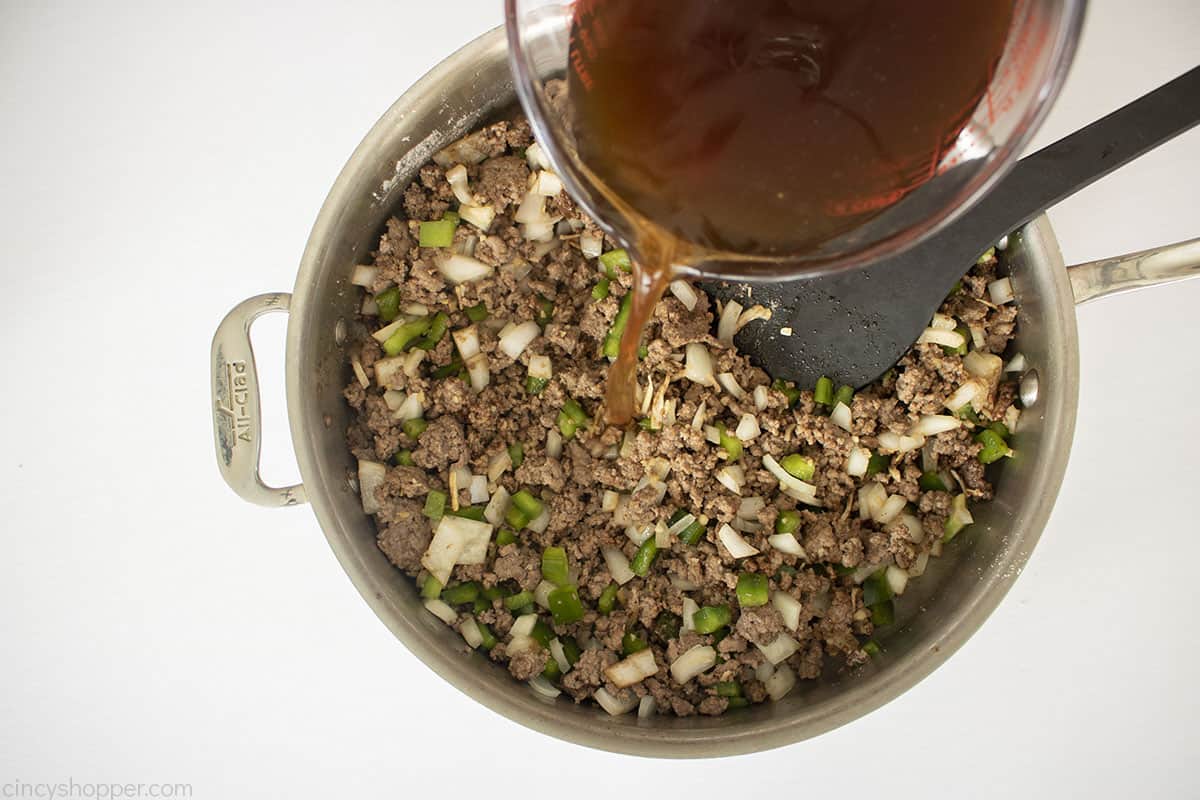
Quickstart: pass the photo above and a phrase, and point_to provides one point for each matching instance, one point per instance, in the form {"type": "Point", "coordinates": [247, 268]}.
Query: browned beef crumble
{"type": "Point", "coordinates": [467, 429]}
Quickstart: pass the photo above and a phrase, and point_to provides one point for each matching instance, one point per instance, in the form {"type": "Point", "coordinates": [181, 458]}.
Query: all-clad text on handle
{"type": "Point", "coordinates": [237, 415]}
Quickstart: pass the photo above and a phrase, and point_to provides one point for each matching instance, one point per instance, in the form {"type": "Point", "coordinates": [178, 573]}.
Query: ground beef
{"type": "Point", "coordinates": [513, 433]}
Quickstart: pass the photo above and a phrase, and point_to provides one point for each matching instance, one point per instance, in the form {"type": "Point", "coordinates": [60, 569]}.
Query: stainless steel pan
{"type": "Point", "coordinates": [958, 591]}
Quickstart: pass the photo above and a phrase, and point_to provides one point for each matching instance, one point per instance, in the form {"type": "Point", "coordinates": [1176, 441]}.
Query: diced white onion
{"type": "Point", "coordinates": [467, 341]}
{"type": "Point", "coordinates": [870, 500]}
{"type": "Point", "coordinates": [865, 571]}
{"type": "Point", "coordinates": [984, 366]}
{"type": "Point", "coordinates": [780, 648]}
{"type": "Point", "coordinates": [683, 584]}
{"type": "Point", "coordinates": [735, 544]}
{"type": "Point", "coordinates": [751, 314]}
{"type": "Point", "coordinates": [543, 687]}
{"type": "Point", "coordinates": [634, 669]}
{"type": "Point", "coordinates": [712, 434]}
{"type": "Point", "coordinates": [554, 443]}
{"type": "Point", "coordinates": [943, 322]}
{"type": "Point", "coordinates": [657, 469]}
{"type": "Point", "coordinates": [945, 338]}
{"type": "Point", "coordinates": [364, 276]}
{"type": "Point", "coordinates": [412, 361]}
{"type": "Point", "coordinates": [787, 543]}
{"type": "Point", "coordinates": [966, 394]}
{"type": "Point", "coordinates": [761, 396]}
{"type": "Point", "coordinates": [781, 683]}
{"type": "Point", "coordinates": [618, 565]}
{"type": "Point", "coordinates": [359, 373]}
{"type": "Point", "coordinates": [746, 525]}
{"type": "Point", "coordinates": [540, 366]}
{"type": "Point", "coordinates": [369, 307]}
{"type": "Point", "coordinates": [933, 424]}
{"type": "Point", "coordinates": [547, 184]}
{"type": "Point", "coordinates": [614, 706]}
{"type": "Point", "coordinates": [684, 292]}
{"type": "Point", "coordinates": [978, 337]}
{"type": "Point", "coordinates": [732, 477]}
{"type": "Point", "coordinates": [840, 416]}
{"type": "Point", "coordinates": [413, 407]}
{"type": "Point", "coordinates": [730, 384]}
{"type": "Point", "coordinates": [890, 442]}
{"type": "Point", "coordinates": [456, 176]}
{"type": "Point", "coordinates": [912, 527]}
{"type": "Point", "coordinates": [690, 607]}
{"type": "Point", "coordinates": [609, 501]}
{"type": "Point", "coordinates": [959, 511]}
{"type": "Point", "coordinates": [371, 475]}
{"type": "Point", "coordinates": [897, 579]}
{"type": "Point", "coordinates": [539, 523]}
{"type": "Point", "coordinates": [695, 661]}
{"type": "Point", "coordinates": [638, 534]}
{"type": "Point", "coordinates": [560, 655]}
{"type": "Point", "coordinates": [698, 366]}
{"type": "Point", "coordinates": [857, 462]}
{"type": "Point", "coordinates": [523, 625]}
{"type": "Point", "coordinates": [1001, 291]}
{"type": "Point", "coordinates": [542, 232]}
{"type": "Point", "coordinates": [389, 372]}
{"type": "Point", "coordinates": [519, 644]}
{"type": "Point", "coordinates": [456, 540]}
{"type": "Point", "coordinates": [647, 707]}
{"type": "Point", "coordinates": [763, 671]}
{"type": "Point", "coordinates": [890, 509]}
{"type": "Point", "coordinates": [478, 372]}
{"type": "Point", "coordinates": [479, 216]}
{"type": "Point", "coordinates": [470, 632]}
{"type": "Point", "coordinates": [536, 157]}
{"type": "Point", "coordinates": [442, 611]}
{"type": "Point", "coordinates": [532, 210]}
{"type": "Point", "coordinates": [790, 484]}
{"type": "Point", "coordinates": [698, 417]}
{"type": "Point", "coordinates": [478, 536]}
{"type": "Point", "coordinates": [393, 399]}
{"type": "Point", "coordinates": [727, 325]}
{"type": "Point", "coordinates": [662, 539]}
{"type": "Point", "coordinates": [788, 608]}
{"type": "Point", "coordinates": [747, 428]}
{"type": "Point", "coordinates": [918, 567]}
{"type": "Point", "coordinates": [385, 333]}
{"type": "Point", "coordinates": [1016, 364]}
{"type": "Point", "coordinates": [500, 464]}
{"type": "Point", "coordinates": [591, 244]}
{"type": "Point", "coordinates": [494, 513]}
{"type": "Point", "coordinates": [541, 593]}
{"type": "Point", "coordinates": [514, 342]}
{"type": "Point", "coordinates": [1012, 418]}
{"type": "Point", "coordinates": [750, 507]}
{"type": "Point", "coordinates": [458, 268]}
{"type": "Point", "coordinates": [681, 525]}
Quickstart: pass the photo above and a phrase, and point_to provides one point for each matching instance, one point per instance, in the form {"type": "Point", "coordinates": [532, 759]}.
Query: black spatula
{"type": "Point", "coordinates": [853, 326]}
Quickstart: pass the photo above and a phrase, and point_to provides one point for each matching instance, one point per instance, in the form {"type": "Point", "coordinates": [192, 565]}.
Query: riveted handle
{"type": "Point", "coordinates": [237, 415]}
{"type": "Point", "coordinates": [1174, 262]}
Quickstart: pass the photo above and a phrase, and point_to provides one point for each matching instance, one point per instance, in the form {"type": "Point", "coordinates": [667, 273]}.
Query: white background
{"type": "Point", "coordinates": [161, 161]}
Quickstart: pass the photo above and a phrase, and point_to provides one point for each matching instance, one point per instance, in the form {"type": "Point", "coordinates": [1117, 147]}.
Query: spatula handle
{"type": "Point", "coordinates": [1061, 169]}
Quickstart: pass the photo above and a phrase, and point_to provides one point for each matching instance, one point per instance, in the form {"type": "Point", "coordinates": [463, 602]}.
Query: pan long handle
{"type": "Point", "coordinates": [237, 415]}
{"type": "Point", "coordinates": [1159, 265]}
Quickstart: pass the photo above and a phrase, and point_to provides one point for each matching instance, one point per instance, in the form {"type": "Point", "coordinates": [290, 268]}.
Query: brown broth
{"type": "Point", "coordinates": [767, 127]}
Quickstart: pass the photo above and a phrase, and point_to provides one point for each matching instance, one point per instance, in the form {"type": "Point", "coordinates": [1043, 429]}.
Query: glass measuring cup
{"type": "Point", "coordinates": [543, 34]}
